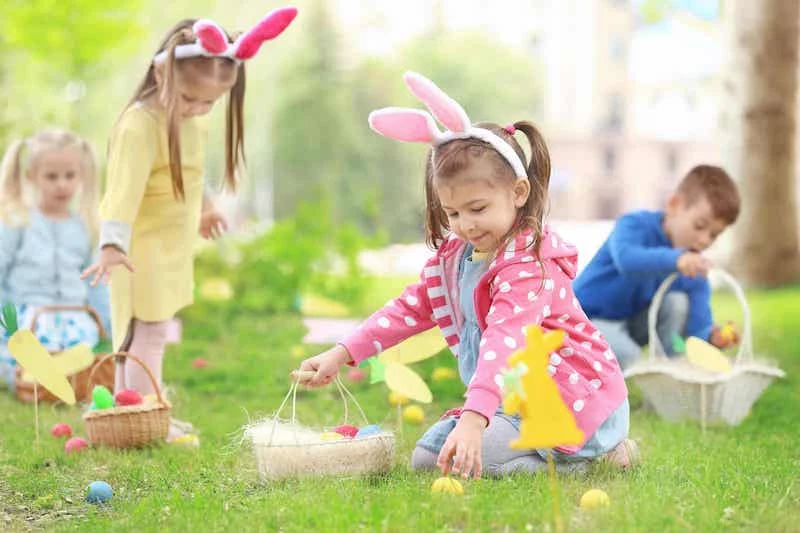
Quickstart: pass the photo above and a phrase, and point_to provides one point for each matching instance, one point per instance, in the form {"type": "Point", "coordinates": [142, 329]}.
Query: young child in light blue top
{"type": "Point", "coordinates": [44, 244]}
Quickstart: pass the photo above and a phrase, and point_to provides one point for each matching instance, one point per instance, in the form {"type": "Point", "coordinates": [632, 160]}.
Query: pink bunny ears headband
{"type": "Point", "coordinates": [213, 42]}
{"type": "Point", "coordinates": [413, 125]}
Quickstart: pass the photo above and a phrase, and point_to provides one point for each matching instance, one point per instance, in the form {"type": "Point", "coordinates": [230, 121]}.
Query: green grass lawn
{"type": "Point", "coordinates": [741, 478]}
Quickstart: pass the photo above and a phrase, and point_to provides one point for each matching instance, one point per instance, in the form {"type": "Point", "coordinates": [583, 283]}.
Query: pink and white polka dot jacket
{"type": "Point", "coordinates": [517, 290]}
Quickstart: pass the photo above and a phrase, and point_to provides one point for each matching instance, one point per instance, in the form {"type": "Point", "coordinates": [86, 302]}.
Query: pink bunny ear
{"type": "Point", "coordinates": [210, 36]}
{"type": "Point", "coordinates": [445, 109]}
{"type": "Point", "coordinates": [408, 125]}
{"type": "Point", "coordinates": [270, 27]}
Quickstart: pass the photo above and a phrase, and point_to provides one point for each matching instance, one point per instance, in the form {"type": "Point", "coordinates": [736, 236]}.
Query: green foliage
{"type": "Point", "coordinates": [304, 253]}
{"type": "Point", "coordinates": [73, 37]}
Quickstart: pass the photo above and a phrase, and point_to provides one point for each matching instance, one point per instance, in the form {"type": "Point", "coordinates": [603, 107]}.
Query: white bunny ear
{"type": "Point", "coordinates": [403, 124]}
{"type": "Point", "coordinates": [445, 109]}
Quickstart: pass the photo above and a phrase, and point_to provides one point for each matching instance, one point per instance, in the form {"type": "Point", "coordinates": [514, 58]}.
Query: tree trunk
{"type": "Point", "coordinates": [762, 86]}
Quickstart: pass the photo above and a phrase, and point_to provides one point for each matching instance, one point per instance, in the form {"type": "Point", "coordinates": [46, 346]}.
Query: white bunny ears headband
{"type": "Point", "coordinates": [213, 42]}
{"type": "Point", "coordinates": [413, 125]}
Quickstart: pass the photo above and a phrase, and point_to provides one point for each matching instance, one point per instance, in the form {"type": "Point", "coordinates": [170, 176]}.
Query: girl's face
{"type": "Point", "coordinates": [480, 208]}
{"type": "Point", "coordinates": [57, 175]}
{"type": "Point", "coordinates": [199, 85]}
{"type": "Point", "coordinates": [196, 99]}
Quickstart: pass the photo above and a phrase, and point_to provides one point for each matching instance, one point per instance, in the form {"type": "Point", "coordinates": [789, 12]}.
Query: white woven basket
{"type": "Point", "coordinates": [286, 449]}
{"type": "Point", "coordinates": [680, 390]}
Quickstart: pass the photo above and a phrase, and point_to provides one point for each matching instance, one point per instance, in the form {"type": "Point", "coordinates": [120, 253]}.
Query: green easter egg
{"type": "Point", "coordinates": [102, 397]}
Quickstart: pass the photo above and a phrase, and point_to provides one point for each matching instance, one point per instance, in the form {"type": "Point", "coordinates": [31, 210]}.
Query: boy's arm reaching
{"type": "Point", "coordinates": [632, 257]}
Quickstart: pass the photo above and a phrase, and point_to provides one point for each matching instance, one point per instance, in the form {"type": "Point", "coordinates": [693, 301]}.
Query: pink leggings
{"type": "Point", "coordinates": [147, 342]}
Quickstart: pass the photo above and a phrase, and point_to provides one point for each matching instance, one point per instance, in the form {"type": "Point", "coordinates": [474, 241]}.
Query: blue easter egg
{"type": "Point", "coordinates": [366, 431]}
{"type": "Point", "coordinates": [99, 492]}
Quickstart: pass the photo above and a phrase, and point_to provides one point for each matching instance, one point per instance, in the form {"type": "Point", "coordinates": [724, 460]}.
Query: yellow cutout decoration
{"type": "Point", "coordinates": [406, 382]}
{"type": "Point", "coordinates": [38, 363]}
{"type": "Point", "coordinates": [546, 421]}
{"type": "Point", "coordinates": [70, 361]}
{"type": "Point", "coordinates": [707, 356]}
{"type": "Point", "coordinates": [416, 348]}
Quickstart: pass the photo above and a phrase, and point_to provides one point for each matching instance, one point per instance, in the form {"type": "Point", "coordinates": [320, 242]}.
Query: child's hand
{"type": "Point", "coordinates": [464, 442]}
{"type": "Point", "coordinates": [212, 224]}
{"type": "Point", "coordinates": [724, 337]}
{"type": "Point", "coordinates": [325, 366]}
{"type": "Point", "coordinates": [110, 257]}
{"type": "Point", "coordinates": [692, 264]}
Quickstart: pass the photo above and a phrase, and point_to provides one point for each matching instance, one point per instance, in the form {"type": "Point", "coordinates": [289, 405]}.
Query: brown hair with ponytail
{"type": "Point", "coordinates": [450, 158]}
{"type": "Point", "coordinates": [220, 69]}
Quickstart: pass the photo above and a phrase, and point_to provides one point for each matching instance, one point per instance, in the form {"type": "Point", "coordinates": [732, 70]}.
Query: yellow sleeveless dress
{"type": "Point", "coordinates": [164, 229]}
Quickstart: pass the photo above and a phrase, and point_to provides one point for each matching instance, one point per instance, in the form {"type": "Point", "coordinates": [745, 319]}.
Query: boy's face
{"type": "Point", "coordinates": [692, 225]}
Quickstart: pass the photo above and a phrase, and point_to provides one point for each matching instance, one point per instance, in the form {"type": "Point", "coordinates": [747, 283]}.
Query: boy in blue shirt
{"type": "Point", "coordinates": [618, 284]}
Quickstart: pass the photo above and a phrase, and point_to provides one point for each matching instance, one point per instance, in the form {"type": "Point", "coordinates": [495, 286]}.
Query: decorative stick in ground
{"type": "Point", "coordinates": [41, 367]}
{"type": "Point", "coordinates": [530, 392]}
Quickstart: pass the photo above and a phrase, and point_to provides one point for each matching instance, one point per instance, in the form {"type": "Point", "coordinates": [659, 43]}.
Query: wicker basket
{"type": "Point", "coordinates": [129, 426]}
{"type": "Point", "coordinates": [680, 390]}
{"type": "Point", "coordinates": [286, 449]}
{"type": "Point", "coordinates": [104, 374]}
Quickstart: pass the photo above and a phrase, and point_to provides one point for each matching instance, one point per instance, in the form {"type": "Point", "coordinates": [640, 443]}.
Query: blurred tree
{"type": "Point", "coordinates": [312, 125]}
{"type": "Point", "coordinates": [75, 40]}
{"type": "Point", "coordinates": [762, 85]}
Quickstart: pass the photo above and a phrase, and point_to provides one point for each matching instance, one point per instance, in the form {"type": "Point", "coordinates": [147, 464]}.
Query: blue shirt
{"type": "Point", "coordinates": [41, 264]}
{"type": "Point", "coordinates": [622, 278]}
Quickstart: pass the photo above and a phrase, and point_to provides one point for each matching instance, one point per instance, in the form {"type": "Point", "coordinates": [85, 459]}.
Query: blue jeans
{"type": "Point", "coordinates": [627, 337]}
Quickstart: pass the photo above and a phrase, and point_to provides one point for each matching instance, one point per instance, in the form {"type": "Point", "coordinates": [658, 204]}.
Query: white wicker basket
{"type": "Point", "coordinates": [680, 390]}
{"type": "Point", "coordinates": [286, 449]}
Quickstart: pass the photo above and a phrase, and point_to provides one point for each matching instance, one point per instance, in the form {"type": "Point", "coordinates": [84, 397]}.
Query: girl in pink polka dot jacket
{"type": "Point", "coordinates": [497, 269]}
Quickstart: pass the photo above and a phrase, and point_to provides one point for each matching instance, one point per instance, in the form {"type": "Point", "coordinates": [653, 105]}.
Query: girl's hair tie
{"type": "Point", "coordinates": [511, 129]}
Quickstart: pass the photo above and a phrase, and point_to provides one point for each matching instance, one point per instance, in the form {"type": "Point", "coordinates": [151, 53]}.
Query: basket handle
{"type": "Point", "coordinates": [745, 352]}
{"type": "Point", "coordinates": [91, 311]}
{"type": "Point", "coordinates": [297, 375]}
{"type": "Point", "coordinates": [147, 370]}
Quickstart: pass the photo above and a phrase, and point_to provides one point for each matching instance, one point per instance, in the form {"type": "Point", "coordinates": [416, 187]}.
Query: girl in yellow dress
{"type": "Point", "coordinates": [154, 203]}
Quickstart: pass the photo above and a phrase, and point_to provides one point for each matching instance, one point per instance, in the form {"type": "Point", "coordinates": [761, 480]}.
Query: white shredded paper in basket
{"type": "Point", "coordinates": [295, 451]}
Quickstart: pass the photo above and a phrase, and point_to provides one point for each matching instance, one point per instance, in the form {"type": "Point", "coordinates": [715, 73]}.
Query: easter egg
{"type": "Point", "coordinates": [102, 397]}
{"type": "Point", "coordinates": [447, 485]}
{"type": "Point", "coordinates": [189, 440]}
{"type": "Point", "coordinates": [346, 430]}
{"type": "Point", "coordinates": [728, 333]}
{"type": "Point", "coordinates": [128, 397]}
{"type": "Point", "coordinates": [61, 430]}
{"type": "Point", "coordinates": [413, 414]}
{"type": "Point", "coordinates": [75, 444]}
{"type": "Point", "coordinates": [442, 373]}
{"type": "Point", "coordinates": [330, 435]}
{"type": "Point", "coordinates": [594, 498]}
{"type": "Point", "coordinates": [356, 374]}
{"type": "Point", "coordinates": [99, 492]}
{"type": "Point", "coordinates": [397, 399]}
{"type": "Point", "coordinates": [366, 431]}
{"type": "Point", "coordinates": [200, 363]}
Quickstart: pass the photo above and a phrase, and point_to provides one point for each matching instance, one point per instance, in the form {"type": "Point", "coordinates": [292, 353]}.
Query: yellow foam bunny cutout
{"type": "Point", "coordinates": [546, 421]}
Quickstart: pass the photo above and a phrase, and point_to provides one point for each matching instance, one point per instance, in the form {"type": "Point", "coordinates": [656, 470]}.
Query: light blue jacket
{"type": "Point", "coordinates": [41, 264]}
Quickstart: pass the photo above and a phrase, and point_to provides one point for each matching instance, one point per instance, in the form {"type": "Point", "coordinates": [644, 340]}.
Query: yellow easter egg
{"type": "Point", "coordinates": [442, 373]}
{"type": "Point", "coordinates": [728, 333]}
{"type": "Point", "coordinates": [447, 485]}
{"type": "Point", "coordinates": [186, 440]}
{"type": "Point", "coordinates": [413, 414]}
{"type": "Point", "coordinates": [330, 435]}
{"type": "Point", "coordinates": [397, 399]}
{"type": "Point", "coordinates": [594, 498]}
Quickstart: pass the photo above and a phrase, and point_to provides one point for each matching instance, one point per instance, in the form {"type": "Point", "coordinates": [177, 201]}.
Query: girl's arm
{"type": "Point", "coordinates": [520, 296]}
{"type": "Point", "coordinates": [398, 320]}
{"type": "Point", "coordinates": [132, 154]}
{"type": "Point", "coordinates": [9, 244]}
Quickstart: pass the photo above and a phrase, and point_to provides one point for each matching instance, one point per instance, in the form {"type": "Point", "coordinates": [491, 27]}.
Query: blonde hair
{"type": "Point", "coordinates": [14, 199]}
{"type": "Point", "coordinates": [182, 33]}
